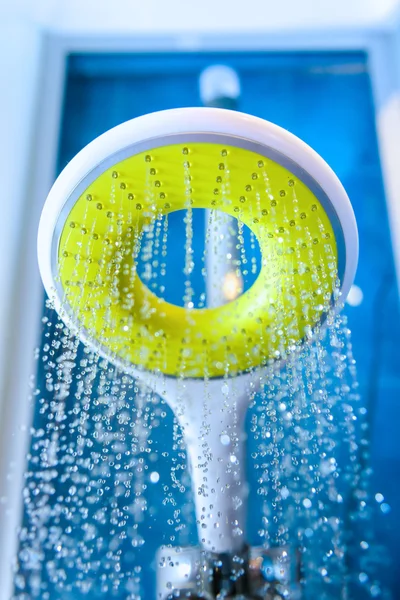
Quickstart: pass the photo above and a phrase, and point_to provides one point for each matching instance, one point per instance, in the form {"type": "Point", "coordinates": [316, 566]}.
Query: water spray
{"type": "Point", "coordinates": [207, 363]}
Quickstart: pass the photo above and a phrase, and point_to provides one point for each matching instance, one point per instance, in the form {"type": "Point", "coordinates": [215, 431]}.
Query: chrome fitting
{"type": "Point", "coordinates": [254, 573]}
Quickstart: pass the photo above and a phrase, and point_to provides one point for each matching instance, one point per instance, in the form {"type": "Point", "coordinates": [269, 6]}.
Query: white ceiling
{"type": "Point", "coordinates": [158, 16]}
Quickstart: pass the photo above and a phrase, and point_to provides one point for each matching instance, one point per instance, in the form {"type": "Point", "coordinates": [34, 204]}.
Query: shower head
{"type": "Point", "coordinates": [89, 238]}
{"type": "Point", "coordinates": [196, 158]}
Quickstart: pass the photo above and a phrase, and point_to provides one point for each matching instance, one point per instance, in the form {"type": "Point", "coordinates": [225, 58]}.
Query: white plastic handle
{"type": "Point", "coordinates": [212, 414]}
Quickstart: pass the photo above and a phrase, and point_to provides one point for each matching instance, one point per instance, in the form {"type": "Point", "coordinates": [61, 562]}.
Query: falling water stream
{"type": "Point", "coordinates": [107, 481]}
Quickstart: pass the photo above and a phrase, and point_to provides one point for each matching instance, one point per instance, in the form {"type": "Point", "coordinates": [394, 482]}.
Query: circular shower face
{"type": "Point", "coordinates": [128, 179]}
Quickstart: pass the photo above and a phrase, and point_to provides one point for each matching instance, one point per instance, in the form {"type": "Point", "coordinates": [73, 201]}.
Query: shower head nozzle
{"type": "Point", "coordinates": [91, 230]}
{"type": "Point", "coordinates": [257, 172]}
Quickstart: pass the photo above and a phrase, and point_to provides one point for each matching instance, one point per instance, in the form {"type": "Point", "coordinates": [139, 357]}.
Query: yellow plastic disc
{"type": "Point", "coordinates": [101, 237]}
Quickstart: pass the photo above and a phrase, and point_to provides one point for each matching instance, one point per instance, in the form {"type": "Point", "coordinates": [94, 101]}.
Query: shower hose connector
{"type": "Point", "coordinates": [254, 573]}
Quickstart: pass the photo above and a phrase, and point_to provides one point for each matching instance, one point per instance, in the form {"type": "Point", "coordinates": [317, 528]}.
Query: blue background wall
{"type": "Point", "coordinates": [326, 100]}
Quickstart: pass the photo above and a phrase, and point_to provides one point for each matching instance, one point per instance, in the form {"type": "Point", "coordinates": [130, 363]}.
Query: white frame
{"type": "Point", "coordinates": [382, 46]}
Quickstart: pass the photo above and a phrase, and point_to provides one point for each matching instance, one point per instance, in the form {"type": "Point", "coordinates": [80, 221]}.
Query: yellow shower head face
{"type": "Point", "coordinates": [98, 244]}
